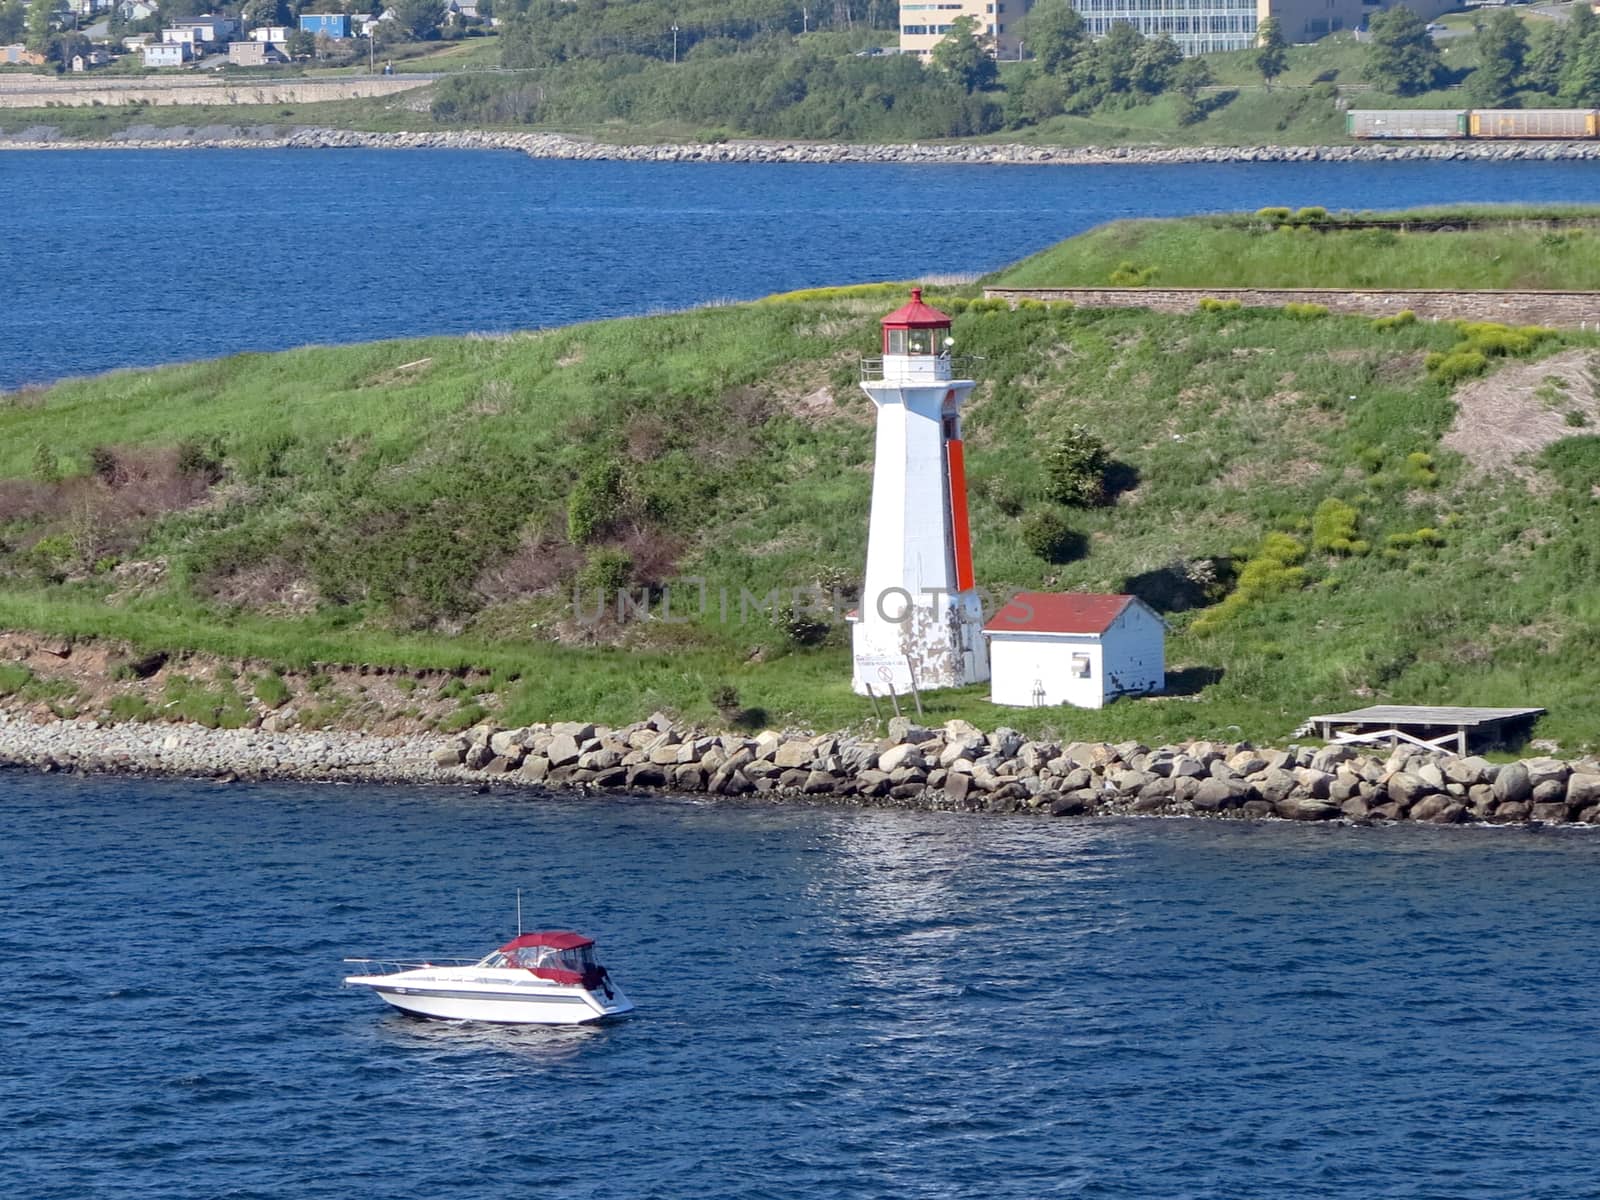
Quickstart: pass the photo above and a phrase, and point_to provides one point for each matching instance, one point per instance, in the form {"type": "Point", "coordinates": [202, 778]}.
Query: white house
{"type": "Point", "coordinates": [271, 34]}
{"type": "Point", "coordinates": [135, 10]}
{"type": "Point", "coordinates": [168, 54]}
{"type": "Point", "coordinates": [1079, 648]}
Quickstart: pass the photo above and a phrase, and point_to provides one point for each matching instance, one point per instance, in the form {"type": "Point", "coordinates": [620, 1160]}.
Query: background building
{"type": "Point", "coordinates": [1198, 26]}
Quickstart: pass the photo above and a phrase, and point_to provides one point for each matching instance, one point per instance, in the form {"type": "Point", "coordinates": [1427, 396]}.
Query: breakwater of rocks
{"type": "Point", "coordinates": [956, 767]}
{"type": "Point", "coordinates": [563, 146]}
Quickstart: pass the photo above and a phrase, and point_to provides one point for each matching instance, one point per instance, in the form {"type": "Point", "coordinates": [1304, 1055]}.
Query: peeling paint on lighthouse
{"type": "Point", "coordinates": [920, 619]}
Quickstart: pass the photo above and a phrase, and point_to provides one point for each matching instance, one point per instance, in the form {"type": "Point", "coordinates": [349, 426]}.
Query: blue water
{"type": "Point", "coordinates": [117, 258]}
{"type": "Point", "coordinates": [831, 1003]}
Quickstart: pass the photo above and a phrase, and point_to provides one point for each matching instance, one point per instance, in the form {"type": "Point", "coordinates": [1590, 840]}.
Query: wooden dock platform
{"type": "Point", "coordinates": [1430, 727]}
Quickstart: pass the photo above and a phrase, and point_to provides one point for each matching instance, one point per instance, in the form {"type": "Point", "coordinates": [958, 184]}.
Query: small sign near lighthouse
{"type": "Point", "coordinates": [920, 620]}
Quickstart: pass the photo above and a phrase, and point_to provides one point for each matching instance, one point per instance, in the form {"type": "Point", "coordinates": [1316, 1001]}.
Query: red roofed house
{"type": "Point", "coordinates": [1080, 648]}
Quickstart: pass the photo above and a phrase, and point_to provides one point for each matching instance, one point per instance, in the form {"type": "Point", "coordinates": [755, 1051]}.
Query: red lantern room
{"type": "Point", "coordinates": [916, 328]}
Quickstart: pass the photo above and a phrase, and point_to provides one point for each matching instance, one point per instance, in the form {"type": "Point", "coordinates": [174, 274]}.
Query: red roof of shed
{"type": "Point", "coordinates": [916, 315]}
{"type": "Point", "coordinates": [556, 939]}
{"type": "Point", "coordinates": [1058, 612]}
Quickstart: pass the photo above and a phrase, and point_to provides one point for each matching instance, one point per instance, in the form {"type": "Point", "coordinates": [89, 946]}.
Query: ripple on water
{"type": "Point", "coordinates": [831, 1003]}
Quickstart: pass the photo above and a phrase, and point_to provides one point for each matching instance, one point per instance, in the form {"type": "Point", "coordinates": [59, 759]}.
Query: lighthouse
{"type": "Point", "coordinates": [920, 620]}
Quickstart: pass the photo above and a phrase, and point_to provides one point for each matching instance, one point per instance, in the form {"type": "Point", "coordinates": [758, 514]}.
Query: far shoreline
{"type": "Point", "coordinates": [557, 146]}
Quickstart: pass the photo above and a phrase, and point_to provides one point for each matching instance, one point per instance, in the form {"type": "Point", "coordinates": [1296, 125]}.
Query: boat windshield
{"type": "Point", "coordinates": [577, 960]}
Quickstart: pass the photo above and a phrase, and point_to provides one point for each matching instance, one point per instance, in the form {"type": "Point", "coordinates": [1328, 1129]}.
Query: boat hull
{"type": "Point", "coordinates": [501, 1003]}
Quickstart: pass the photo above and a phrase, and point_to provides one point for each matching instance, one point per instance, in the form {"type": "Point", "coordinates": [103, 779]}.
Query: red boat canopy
{"type": "Point", "coordinates": [553, 939]}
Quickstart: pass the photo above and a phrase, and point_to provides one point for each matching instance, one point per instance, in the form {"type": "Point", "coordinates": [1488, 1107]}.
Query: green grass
{"type": "Point", "coordinates": [1235, 252]}
{"type": "Point", "coordinates": [420, 491]}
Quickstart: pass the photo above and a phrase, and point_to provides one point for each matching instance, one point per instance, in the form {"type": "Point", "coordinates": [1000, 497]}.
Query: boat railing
{"type": "Point", "coordinates": [392, 966]}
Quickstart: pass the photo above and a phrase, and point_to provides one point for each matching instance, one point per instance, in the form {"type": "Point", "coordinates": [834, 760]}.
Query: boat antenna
{"type": "Point", "coordinates": [519, 912]}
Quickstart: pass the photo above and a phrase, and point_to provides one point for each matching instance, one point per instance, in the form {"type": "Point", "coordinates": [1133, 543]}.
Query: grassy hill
{"type": "Point", "coordinates": [1551, 247]}
{"type": "Point", "coordinates": [1286, 491]}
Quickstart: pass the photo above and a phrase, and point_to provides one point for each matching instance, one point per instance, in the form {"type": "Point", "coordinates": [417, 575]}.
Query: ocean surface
{"type": "Point", "coordinates": [117, 258]}
{"type": "Point", "coordinates": [832, 1003]}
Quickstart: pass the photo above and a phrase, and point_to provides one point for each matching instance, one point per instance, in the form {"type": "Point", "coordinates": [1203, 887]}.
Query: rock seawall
{"type": "Point", "coordinates": [562, 146]}
{"type": "Point", "coordinates": [956, 767]}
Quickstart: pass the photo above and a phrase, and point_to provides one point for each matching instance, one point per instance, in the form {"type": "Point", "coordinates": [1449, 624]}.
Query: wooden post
{"type": "Point", "coordinates": [877, 713]}
{"type": "Point", "coordinates": [1461, 740]}
{"type": "Point", "coordinates": [916, 695]}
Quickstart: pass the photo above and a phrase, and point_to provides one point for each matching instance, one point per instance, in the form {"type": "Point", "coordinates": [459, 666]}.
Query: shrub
{"type": "Point", "coordinates": [1400, 319]}
{"type": "Point", "coordinates": [271, 690]}
{"type": "Point", "coordinates": [13, 678]}
{"type": "Point", "coordinates": [1333, 528]}
{"type": "Point", "coordinates": [607, 571]}
{"type": "Point", "coordinates": [1048, 534]}
{"type": "Point", "coordinates": [1212, 304]}
{"type": "Point", "coordinates": [1128, 275]}
{"type": "Point", "coordinates": [1275, 215]}
{"type": "Point", "coordinates": [595, 502]}
{"type": "Point", "coordinates": [131, 708]}
{"type": "Point", "coordinates": [1075, 467]}
{"type": "Point", "coordinates": [725, 699]}
{"type": "Point", "coordinates": [1305, 312]}
{"type": "Point", "coordinates": [103, 464]}
{"type": "Point", "coordinates": [464, 717]}
{"type": "Point", "coordinates": [1419, 470]}
{"type": "Point", "coordinates": [1313, 215]}
{"type": "Point", "coordinates": [45, 467]}
{"type": "Point", "coordinates": [1272, 569]}
{"type": "Point", "coordinates": [1454, 366]}
{"type": "Point", "coordinates": [801, 625]}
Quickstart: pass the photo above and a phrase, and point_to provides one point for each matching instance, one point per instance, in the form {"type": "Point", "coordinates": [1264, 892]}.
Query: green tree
{"type": "Point", "coordinates": [39, 13]}
{"type": "Point", "coordinates": [1188, 78]}
{"type": "Point", "coordinates": [1580, 78]}
{"type": "Point", "coordinates": [266, 12]}
{"type": "Point", "coordinates": [1056, 34]}
{"type": "Point", "coordinates": [13, 21]}
{"type": "Point", "coordinates": [1272, 52]}
{"type": "Point", "coordinates": [420, 18]}
{"type": "Point", "coordinates": [1075, 465]}
{"type": "Point", "coordinates": [1502, 54]}
{"type": "Point", "coordinates": [962, 55]}
{"type": "Point", "coordinates": [1116, 58]}
{"type": "Point", "coordinates": [1153, 65]}
{"type": "Point", "coordinates": [1546, 58]}
{"type": "Point", "coordinates": [1402, 57]}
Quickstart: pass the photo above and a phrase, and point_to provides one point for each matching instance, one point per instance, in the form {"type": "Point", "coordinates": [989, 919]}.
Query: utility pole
{"type": "Point", "coordinates": [805, 19]}
{"type": "Point", "coordinates": [674, 43]}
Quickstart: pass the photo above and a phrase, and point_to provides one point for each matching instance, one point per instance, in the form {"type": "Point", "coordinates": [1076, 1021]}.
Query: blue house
{"type": "Point", "coordinates": [335, 25]}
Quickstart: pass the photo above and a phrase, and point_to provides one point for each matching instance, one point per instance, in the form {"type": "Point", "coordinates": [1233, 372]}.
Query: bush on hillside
{"type": "Point", "coordinates": [1075, 468]}
{"type": "Point", "coordinates": [595, 502]}
{"type": "Point", "coordinates": [1272, 569]}
{"type": "Point", "coordinates": [1399, 320]}
{"type": "Point", "coordinates": [1333, 528]}
{"type": "Point", "coordinates": [1305, 312]}
{"type": "Point", "coordinates": [1125, 274]}
{"type": "Point", "coordinates": [1049, 535]}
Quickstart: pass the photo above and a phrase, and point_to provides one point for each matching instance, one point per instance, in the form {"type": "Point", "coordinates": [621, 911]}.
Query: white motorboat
{"type": "Point", "coordinates": [544, 978]}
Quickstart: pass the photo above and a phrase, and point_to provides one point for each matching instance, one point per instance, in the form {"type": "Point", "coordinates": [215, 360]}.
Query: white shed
{"type": "Point", "coordinates": [1080, 648]}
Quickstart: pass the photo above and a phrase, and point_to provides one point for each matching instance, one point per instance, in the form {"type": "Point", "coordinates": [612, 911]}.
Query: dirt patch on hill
{"type": "Point", "coordinates": [1504, 420]}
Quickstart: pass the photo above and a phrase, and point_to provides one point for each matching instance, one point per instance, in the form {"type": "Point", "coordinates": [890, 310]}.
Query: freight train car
{"type": "Point", "coordinates": [1406, 123]}
{"type": "Point", "coordinates": [1567, 124]}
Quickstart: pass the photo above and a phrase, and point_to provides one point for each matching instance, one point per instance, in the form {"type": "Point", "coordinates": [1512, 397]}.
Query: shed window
{"type": "Point", "coordinates": [1080, 666]}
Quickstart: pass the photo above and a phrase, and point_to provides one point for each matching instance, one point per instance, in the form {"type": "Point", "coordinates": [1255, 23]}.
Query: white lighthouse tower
{"type": "Point", "coordinates": [920, 619]}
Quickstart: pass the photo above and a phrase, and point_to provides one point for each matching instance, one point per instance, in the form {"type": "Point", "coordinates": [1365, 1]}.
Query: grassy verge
{"type": "Point", "coordinates": [1268, 252]}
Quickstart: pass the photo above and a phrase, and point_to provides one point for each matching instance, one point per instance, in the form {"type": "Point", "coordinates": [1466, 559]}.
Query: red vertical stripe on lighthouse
{"type": "Point", "coordinates": [959, 530]}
